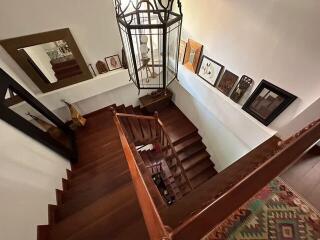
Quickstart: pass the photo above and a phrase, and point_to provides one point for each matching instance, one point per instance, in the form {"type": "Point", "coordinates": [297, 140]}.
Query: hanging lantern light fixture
{"type": "Point", "coordinates": [150, 31]}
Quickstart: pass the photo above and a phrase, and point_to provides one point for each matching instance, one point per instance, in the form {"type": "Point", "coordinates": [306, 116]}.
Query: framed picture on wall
{"type": "Point", "coordinates": [242, 87]}
{"type": "Point", "coordinates": [113, 62]}
{"type": "Point", "coordinates": [192, 55]}
{"type": "Point", "coordinates": [267, 102]}
{"type": "Point", "coordinates": [182, 50]}
{"type": "Point", "coordinates": [227, 82]}
{"type": "Point", "coordinates": [210, 70]}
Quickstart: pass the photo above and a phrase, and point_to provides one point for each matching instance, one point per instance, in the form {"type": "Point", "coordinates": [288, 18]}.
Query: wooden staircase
{"type": "Point", "coordinates": [98, 200]}
{"type": "Point", "coordinates": [187, 142]}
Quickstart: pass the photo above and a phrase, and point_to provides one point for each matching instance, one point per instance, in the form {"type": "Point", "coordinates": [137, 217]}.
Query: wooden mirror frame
{"type": "Point", "coordinates": [13, 44]}
{"type": "Point", "coordinates": [198, 52]}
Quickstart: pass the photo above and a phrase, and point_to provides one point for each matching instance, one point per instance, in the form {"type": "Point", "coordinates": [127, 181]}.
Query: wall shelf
{"type": "Point", "coordinates": [244, 126]}
{"type": "Point", "coordinates": [80, 91]}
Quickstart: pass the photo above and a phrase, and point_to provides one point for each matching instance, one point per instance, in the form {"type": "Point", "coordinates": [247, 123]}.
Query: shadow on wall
{"type": "Point", "coordinates": [223, 146]}
{"type": "Point", "coordinates": [309, 115]}
{"type": "Point", "coordinates": [29, 173]}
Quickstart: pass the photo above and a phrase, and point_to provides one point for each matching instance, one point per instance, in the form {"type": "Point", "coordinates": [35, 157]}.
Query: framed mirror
{"type": "Point", "coordinates": [52, 59]}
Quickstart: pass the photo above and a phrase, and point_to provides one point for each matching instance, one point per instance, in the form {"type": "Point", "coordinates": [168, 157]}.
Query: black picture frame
{"type": "Point", "coordinates": [108, 64]}
{"type": "Point", "coordinates": [222, 68]}
{"type": "Point", "coordinates": [227, 82]}
{"type": "Point", "coordinates": [287, 99]}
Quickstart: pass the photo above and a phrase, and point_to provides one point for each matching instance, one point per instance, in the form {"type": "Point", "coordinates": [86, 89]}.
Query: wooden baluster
{"type": "Point", "coordinates": [156, 123]}
{"type": "Point", "coordinates": [150, 129]}
{"type": "Point", "coordinates": [141, 130]}
{"type": "Point", "coordinates": [131, 130]}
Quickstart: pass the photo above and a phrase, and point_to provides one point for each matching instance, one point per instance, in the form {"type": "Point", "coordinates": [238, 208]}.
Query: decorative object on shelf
{"type": "Point", "coordinates": [124, 59]}
{"type": "Point", "coordinates": [267, 102]}
{"type": "Point", "coordinates": [77, 119]}
{"type": "Point", "coordinates": [113, 62]}
{"type": "Point", "coordinates": [101, 67]}
{"type": "Point", "coordinates": [150, 32]}
{"type": "Point", "coordinates": [92, 70]}
{"type": "Point", "coordinates": [182, 50]}
{"type": "Point", "coordinates": [244, 84]}
{"type": "Point", "coordinates": [49, 128]}
{"type": "Point", "coordinates": [156, 101]}
{"type": "Point", "coordinates": [192, 55]}
{"type": "Point", "coordinates": [210, 70]}
{"type": "Point", "coordinates": [227, 82]}
{"type": "Point", "coordinates": [51, 59]}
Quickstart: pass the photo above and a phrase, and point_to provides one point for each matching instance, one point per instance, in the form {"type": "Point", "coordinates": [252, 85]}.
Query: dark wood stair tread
{"type": "Point", "coordinates": [200, 167]}
{"type": "Point", "coordinates": [203, 177]}
{"type": "Point", "coordinates": [195, 159]}
{"type": "Point", "coordinates": [86, 216]}
{"type": "Point", "coordinates": [87, 196]}
{"type": "Point", "coordinates": [191, 151]}
{"type": "Point", "coordinates": [193, 139]}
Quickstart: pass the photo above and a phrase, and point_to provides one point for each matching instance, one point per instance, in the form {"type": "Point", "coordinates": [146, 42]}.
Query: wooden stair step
{"type": "Point", "coordinates": [101, 167]}
{"type": "Point", "coordinates": [137, 229]}
{"type": "Point", "coordinates": [202, 177]}
{"type": "Point", "coordinates": [90, 194]}
{"type": "Point", "coordinates": [200, 167]}
{"type": "Point", "coordinates": [111, 224]}
{"type": "Point", "coordinates": [101, 158]}
{"type": "Point", "coordinates": [135, 125]}
{"type": "Point", "coordinates": [102, 207]}
{"type": "Point", "coordinates": [193, 139]}
{"type": "Point", "coordinates": [191, 151]}
{"type": "Point", "coordinates": [195, 159]}
{"type": "Point", "coordinates": [81, 184]}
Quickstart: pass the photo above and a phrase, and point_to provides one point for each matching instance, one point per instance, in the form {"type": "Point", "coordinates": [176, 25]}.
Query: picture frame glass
{"type": "Point", "coordinates": [113, 62]}
{"type": "Point", "coordinates": [266, 103]}
{"type": "Point", "coordinates": [192, 56]}
{"type": "Point", "coordinates": [210, 70]}
{"type": "Point", "coordinates": [227, 82]}
{"type": "Point", "coordinates": [182, 50]}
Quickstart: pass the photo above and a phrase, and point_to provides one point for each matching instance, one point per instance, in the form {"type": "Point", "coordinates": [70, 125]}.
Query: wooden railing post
{"type": "Point", "coordinates": [156, 229]}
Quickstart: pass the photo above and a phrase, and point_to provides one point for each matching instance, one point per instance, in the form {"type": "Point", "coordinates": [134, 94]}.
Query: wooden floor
{"type": "Point", "coordinates": [304, 176]}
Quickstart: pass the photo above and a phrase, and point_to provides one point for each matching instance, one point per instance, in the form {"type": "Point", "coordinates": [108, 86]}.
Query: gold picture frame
{"type": "Point", "coordinates": [192, 55]}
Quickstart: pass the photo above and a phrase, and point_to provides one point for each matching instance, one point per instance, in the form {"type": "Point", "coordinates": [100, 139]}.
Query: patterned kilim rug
{"type": "Point", "coordinates": [276, 212]}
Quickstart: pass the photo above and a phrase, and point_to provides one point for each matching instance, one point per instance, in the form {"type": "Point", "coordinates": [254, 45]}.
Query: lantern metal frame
{"type": "Point", "coordinates": [154, 19]}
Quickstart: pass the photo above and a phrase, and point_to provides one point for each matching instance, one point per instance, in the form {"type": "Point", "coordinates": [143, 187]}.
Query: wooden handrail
{"type": "Point", "coordinates": [153, 221]}
{"type": "Point", "coordinates": [142, 117]}
{"type": "Point", "coordinates": [221, 195]}
{"type": "Point", "coordinates": [228, 196]}
{"type": "Point", "coordinates": [162, 133]}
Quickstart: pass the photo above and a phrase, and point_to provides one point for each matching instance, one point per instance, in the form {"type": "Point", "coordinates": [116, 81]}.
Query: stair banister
{"type": "Point", "coordinates": [153, 221]}
{"type": "Point", "coordinates": [226, 192]}
{"type": "Point", "coordinates": [227, 196]}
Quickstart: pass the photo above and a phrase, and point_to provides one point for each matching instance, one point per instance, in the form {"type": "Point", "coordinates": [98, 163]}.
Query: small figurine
{"type": "Point", "coordinates": [77, 119]}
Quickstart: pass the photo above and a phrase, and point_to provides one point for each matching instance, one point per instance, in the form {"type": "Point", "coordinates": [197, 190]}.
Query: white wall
{"type": "Point", "coordinates": [42, 60]}
{"type": "Point", "coordinates": [274, 40]}
{"type": "Point", "coordinates": [127, 95]}
{"type": "Point", "coordinates": [92, 24]}
{"type": "Point", "coordinates": [223, 146]}
{"type": "Point", "coordinates": [29, 175]}
{"type": "Point", "coordinates": [309, 115]}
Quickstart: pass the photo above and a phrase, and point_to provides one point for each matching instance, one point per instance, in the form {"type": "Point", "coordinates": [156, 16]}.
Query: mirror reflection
{"type": "Point", "coordinates": [53, 61]}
